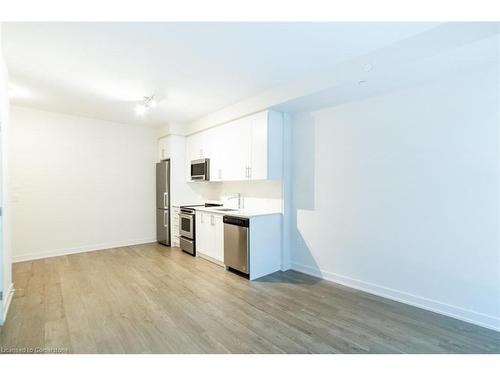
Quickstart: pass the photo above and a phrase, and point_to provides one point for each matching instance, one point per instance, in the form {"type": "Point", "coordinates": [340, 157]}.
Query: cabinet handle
{"type": "Point", "coordinates": [249, 172]}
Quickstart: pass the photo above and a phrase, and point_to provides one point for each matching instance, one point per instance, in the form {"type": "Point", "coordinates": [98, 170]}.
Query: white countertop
{"type": "Point", "coordinates": [246, 213]}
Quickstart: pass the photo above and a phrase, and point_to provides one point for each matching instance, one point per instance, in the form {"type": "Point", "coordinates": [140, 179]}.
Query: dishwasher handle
{"type": "Point", "coordinates": [238, 221]}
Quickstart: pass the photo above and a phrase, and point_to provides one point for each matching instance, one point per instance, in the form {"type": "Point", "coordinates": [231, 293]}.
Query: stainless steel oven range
{"type": "Point", "coordinates": [187, 227]}
{"type": "Point", "coordinates": [187, 220]}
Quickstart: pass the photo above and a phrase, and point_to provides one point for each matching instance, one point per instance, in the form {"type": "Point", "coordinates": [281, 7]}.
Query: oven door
{"type": "Point", "coordinates": [186, 225]}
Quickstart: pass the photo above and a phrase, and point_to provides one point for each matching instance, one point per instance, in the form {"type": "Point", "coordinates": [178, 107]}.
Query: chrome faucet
{"type": "Point", "coordinates": [236, 196]}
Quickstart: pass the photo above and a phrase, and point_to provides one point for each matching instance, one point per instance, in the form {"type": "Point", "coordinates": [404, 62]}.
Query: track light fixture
{"type": "Point", "coordinates": [147, 103]}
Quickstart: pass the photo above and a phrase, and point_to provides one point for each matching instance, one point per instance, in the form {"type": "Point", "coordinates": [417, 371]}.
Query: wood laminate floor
{"type": "Point", "coordinates": [154, 299]}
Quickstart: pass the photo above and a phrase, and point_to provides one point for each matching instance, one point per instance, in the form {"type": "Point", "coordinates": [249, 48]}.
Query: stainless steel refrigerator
{"type": "Point", "coordinates": [163, 202]}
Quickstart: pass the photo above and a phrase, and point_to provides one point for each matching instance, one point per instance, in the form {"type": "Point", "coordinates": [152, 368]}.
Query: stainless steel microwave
{"type": "Point", "coordinates": [200, 170]}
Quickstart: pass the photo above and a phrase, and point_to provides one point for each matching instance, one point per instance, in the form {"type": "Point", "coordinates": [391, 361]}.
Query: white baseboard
{"type": "Point", "coordinates": [460, 313]}
{"type": "Point", "coordinates": [6, 303]}
{"type": "Point", "coordinates": [210, 259]}
{"type": "Point", "coordinates": [79, 249]}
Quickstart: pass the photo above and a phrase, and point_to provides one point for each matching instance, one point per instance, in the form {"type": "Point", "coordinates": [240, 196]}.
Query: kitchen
{"type": "Point", "coordinates": [240, 233]}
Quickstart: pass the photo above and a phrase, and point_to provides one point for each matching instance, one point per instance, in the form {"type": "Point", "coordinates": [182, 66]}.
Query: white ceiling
{"type": "Point", "coordinates": [102, 70]}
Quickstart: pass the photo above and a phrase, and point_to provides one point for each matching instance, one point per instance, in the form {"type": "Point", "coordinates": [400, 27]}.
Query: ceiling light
{"type": "Point", "coordinates": [147, 103]}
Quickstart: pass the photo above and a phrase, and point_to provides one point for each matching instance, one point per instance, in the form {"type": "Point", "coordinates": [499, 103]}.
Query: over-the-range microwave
{"type": "Point", "coordinates": [200, 170]}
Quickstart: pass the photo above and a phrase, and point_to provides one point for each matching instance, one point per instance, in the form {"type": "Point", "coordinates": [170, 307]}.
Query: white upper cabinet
{"type": "Point", "coordinates": [266, 159]}
{"type": "Point", "coordinates": [258, 150]}
{"type": "Point", "coordinates": [194, 150]}
{"type": "Point", "coordinates": [163, 149]}
{"type": "Point", "coordinates": [216, 140]}
{"type": "Point", "coordinates": [232, 156]}
{"type": "Point", "coordinates": [194, 147]}
{"type": "Point", "coordinates": [250, 148]}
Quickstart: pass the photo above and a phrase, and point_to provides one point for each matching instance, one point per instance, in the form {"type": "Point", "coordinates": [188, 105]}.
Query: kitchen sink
{"type": "Point", "coordinates": [226, 209]}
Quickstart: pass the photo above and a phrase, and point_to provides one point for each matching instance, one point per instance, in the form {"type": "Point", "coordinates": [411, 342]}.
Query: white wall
{"type": "Point", "coordinates": [79, 184]}
{"type": "Point", "coordinates": [398, 195]}
{"type": "Point", "coordinates": [5, 219]}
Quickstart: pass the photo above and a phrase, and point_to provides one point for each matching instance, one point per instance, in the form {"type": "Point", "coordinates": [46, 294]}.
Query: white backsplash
{"type": "Point", "coordinates": [255, 194]}
{"type": "Point", "coordinates": [201, 192]}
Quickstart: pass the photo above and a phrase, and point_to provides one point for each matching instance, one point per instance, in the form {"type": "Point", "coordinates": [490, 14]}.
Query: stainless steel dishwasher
{"type": "Point", "coordinates": [236, 243]}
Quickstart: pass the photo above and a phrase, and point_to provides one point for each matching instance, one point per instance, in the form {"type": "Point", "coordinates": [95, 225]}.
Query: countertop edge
{"type": "Point", "coordinates": [238, 214]}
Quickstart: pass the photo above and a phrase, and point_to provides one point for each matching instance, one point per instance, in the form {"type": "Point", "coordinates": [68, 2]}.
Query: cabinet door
{"type": "Point", "coordinates": [212, 236]}
{"type": "Point", "coordinates": [219, 238]}
{"type": "Point", "coordinates": [236, 150]}
{"type": "Point", "coordinates": [193, 147]}
{"type": "Point", "coordinates": [198, 231]}
{"type": "Point", "coordinates": [217, 156]}
{"type": "Point", "coordinates": [203, 240]}
{"type": "Point", "coordinates": [162, 149]}
{"type": "Point", "coordinates": [258, 147]}
{"type": "Point", "coordinates": [204, 147]}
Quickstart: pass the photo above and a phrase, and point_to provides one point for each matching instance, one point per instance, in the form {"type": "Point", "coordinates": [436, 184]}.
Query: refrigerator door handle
{"type": "Point", "coordinates": [165, 219]}
{"type": "Point", "coordinates": [165, 200]}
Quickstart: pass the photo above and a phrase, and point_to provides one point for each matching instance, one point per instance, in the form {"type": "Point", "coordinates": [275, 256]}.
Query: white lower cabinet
{"type": "Point", "coordinates": [203, 242]}
{"type": "Point", "coordinates": [210, 235]}
{"type": "Point", "coordinates": [175, 226]}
